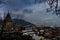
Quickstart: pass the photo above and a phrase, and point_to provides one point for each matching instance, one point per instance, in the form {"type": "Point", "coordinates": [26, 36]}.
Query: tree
{"type": "Point", "coordinates": [54, 6]}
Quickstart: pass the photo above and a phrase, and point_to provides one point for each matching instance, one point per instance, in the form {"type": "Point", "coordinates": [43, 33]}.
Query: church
{"type": "Point", "coordinates": [10, 30]}
{"type": "Point", "coordinates": [9, 27]}
{"type": "Point", "coordinates": [7, 22]}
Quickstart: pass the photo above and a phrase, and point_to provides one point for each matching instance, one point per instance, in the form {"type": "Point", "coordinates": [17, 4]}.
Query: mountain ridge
{"type": "Point", "coordinates": [22, 22]}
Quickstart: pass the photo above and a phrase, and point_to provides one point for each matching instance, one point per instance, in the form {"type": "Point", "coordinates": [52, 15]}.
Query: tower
{"type": "Point", "coordinates": [7, 23]}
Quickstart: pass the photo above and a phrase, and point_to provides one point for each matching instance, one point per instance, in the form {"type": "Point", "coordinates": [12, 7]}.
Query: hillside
{"type": "Point", "coordinates": [22, 22]}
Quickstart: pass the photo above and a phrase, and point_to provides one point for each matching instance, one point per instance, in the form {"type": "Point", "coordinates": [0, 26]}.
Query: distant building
{"type": "Point", "coordinates": [7, 23]}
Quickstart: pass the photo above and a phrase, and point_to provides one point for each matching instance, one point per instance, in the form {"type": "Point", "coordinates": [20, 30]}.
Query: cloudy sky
{"type": "Point", "coordinates": [29, 10]}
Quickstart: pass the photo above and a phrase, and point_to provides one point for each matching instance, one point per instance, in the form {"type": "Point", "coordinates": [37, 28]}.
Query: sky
{"type": "Point", "coordinates": [29, 10]}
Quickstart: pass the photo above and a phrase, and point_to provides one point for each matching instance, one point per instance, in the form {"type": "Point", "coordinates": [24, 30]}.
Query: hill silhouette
{"type": "Point", "coordinates": [22, 22]}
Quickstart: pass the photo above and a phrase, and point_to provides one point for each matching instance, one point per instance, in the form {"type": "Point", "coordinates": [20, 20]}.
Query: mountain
{"type": "Point", "coordinates": [22, 22]}
{"type": "Point", "coordinates": [40, 15]}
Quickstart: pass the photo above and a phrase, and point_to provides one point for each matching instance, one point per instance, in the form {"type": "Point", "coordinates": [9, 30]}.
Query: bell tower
{"type": "Point", "coordinates": [8, 22]}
